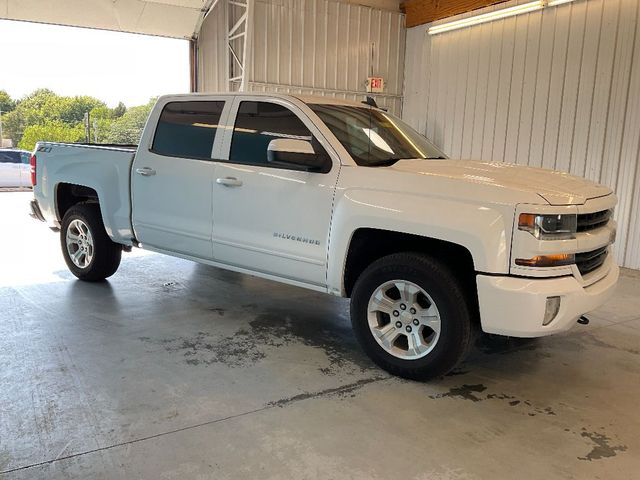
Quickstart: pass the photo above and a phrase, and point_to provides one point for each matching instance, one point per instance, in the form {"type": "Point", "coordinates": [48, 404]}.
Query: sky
{"type": "Point", "coordinates": [110, 66]}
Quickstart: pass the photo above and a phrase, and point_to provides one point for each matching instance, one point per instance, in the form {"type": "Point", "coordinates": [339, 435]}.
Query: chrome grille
{"type": "Point", "coordinates": [589, 261]}
{"type": "Point", "coordinates": [591, 221]}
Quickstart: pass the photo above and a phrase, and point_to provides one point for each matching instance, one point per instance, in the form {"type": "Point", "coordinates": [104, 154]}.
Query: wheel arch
{"type": "Point", "coordinates": [369, 244]}
{"type": "Point", "coordinates": [69, 194]}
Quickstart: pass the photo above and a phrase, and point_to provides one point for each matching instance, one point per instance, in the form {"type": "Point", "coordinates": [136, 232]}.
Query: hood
{"type": "Point", "coordinates": [556, 188]}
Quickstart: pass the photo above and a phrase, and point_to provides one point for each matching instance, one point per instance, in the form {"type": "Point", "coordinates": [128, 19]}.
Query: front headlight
{"type": "Point", "coordinates": [549, 227]}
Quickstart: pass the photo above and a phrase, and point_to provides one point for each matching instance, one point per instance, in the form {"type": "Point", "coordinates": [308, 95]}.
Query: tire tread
{"type": "Point", "coordinates": [417, 265]}
{"type": "Point", "coordinates": [107, 254]}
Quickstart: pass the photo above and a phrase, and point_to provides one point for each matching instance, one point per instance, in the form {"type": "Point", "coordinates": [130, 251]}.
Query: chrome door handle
{"type": "Point", "coordinates": [145, 171]}
{"type": "Point", "coordinates": [229, 182]}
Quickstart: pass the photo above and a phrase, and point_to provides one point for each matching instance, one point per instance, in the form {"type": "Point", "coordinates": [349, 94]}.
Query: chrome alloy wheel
{"type": "Point", "coordinates": [404, 319]}
{"type": "Point", "coordinates": [79, 243]}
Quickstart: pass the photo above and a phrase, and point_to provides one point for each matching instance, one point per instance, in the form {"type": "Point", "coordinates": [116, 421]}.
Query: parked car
{"type": "Point", "coordinates": [342, 198]}
{"type": "Point", "coordinates": [14, 168]}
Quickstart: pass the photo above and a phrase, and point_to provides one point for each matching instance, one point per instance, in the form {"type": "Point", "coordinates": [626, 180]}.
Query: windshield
{"type": "Point", "coordinates": [373, 137]}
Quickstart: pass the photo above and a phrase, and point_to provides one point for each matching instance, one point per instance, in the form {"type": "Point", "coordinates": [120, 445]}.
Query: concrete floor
{"type": "Point", "coordinates": [177, 370]}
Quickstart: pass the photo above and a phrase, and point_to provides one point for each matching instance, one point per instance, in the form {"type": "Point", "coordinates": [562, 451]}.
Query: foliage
{"type": "Point", "coordinates": [128, 128]}
{"type": "Point", "coordinates": [43, 107]}
{"type": "Point", "coordinates": [101, 119]}
{"type": "Point", "coordinates": [6, 102]}
{"type": "Point", "coordinates": [119, 110]}
{"type": "Point", "coordinates": [53, 131]}
{"type": "Point", "coordinates": [43, 115]}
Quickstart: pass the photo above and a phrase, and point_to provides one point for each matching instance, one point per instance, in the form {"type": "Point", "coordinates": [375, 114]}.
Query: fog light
{"type": "Point", "coordinates": [553, 306]}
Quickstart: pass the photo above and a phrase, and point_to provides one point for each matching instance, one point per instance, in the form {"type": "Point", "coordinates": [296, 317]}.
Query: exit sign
{"type": "Point", "coordinates": [375, 84]}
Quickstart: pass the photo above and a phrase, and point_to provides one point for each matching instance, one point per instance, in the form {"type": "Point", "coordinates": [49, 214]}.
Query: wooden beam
{"type": "Point", "coordinates": [419, 12]}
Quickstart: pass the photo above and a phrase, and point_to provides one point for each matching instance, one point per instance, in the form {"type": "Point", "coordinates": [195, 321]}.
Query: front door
{"type": "Point", "coordinates": [270, 218]}
{"type": "Point", "coordinates": [172, 180]}
{"type": "Point", "coordinates": [25, 169]}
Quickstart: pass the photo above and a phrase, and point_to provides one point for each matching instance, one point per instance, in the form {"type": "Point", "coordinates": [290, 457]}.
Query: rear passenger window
{"type": "Point", "coordinates": [187, 129]}
{"type": "Point", "coordinates": [257, 123]}
{"type": "Point", "coordinates": [10, 157]}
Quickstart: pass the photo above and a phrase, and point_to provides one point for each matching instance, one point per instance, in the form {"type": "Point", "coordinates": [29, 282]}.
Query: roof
{"type": "Point", "coordinates": [19, 150]}
{"type": "Point", "coordinates": [309, 99]}
{"type": "Point", "coordinates": [166, 18]}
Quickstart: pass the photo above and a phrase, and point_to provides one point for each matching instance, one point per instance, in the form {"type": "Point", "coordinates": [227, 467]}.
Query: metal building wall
{"type": "Point", "coordinates": [212, 52]}
{"type": "Point", "coordinates": [558, 88]}
{"type": "Point", "coordinates": [313, 47]}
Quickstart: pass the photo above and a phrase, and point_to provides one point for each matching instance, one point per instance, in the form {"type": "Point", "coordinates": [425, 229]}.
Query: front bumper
{"type": "Point", "coordinates": [515, 306]}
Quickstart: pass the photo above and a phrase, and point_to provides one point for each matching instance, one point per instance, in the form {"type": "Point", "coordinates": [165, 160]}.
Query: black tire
{"type": "Point", "coordinates": [447, 292]}
{"type": "Point", "coordinates": [106, 254]}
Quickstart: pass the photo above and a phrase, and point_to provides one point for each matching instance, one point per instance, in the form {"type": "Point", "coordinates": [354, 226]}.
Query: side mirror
{"type": "Point", "coordinates": [295, 154]}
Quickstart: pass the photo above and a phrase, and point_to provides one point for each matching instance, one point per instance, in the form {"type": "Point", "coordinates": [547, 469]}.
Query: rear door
{"type": "Point", "coordinates": [10, 169]}
{"type": "Point", "coordinates": [270, 218]}
{"type": "Point", "coordinates": [172, 177]}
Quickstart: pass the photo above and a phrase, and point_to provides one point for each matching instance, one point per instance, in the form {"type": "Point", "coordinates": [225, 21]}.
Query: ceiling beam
{"type": "Point", "coordinates": [419, 12]}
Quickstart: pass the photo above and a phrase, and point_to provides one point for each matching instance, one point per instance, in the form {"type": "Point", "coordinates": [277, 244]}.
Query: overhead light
{"type": "Point", "coordinates": [495, 15]}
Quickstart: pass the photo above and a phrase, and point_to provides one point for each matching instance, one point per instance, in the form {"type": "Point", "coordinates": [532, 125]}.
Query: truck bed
{"type": "Point", "coordinates": [104, 168]}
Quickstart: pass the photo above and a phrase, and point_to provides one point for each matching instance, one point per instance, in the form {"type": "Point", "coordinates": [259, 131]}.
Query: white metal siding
{"type": "Point", "coordinates": [313, 47]}
{"type": "Point", "coordinates": [212, 52]}
{"type": "Point", "coordinates": [558, 88]}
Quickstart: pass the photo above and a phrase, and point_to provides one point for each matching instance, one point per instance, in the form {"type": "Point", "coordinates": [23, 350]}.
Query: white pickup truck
{"type": "Point", "coordinates": [343, 198]}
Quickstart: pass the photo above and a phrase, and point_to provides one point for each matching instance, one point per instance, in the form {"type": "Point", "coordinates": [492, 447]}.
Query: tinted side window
{"type": "Point", "coordinates": [10, 157]}
{"type": "Point", "coordinates": [26, 157]}
{"type": "Point", "coordinates": [187, 129]}
{"type": "Point", "coordinates": [257, 123]}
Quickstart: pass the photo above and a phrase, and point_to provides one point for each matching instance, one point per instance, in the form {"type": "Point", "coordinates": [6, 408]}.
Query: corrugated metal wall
{"type": "Point", "coordinates": [212, 52]}
{"type": "Point", "coordinates": [558, 88]}
{"type": "Point", "coordinates": [314, 47]}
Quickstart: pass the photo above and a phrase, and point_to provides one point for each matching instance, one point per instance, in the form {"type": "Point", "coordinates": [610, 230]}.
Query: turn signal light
{"type": "Point", "coordinates": [549, 227]}
{"type": "Point", "coordinates": [32, 164]}
{"type": "Point", "coordinates": [527, 221]}
{"type": "Point", "coordinates": [558, 260]}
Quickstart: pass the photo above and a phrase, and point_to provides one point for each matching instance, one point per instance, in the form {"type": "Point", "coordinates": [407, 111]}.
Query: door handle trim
{"type": "Point", "coordinates": [145, 171]}
{"type": "Point", "coordinates": [229, 182]}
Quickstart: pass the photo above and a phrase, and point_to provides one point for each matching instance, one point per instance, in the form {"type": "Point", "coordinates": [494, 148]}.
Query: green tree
{"type": "Point", "coordinates": [13, 124]}
{"type": "Point", "coordinates": [101, 121]}
{"type": "Point", "coordinates": [52, 131]}
{"type": "Point", "coordinates": [6, 102]}
{"type": "Point", "coordinates": [71, 110]}
{"type": "Point", "coordinates": [128, 128]}
{"type": "Point", "coordinates": [119, 110]}
{"type": "Point", "coordinates": [28, 111]}
{"type": "Point", "coordinates": [43, 107]}
{"type": "Point", "coordinates": [43, 115]}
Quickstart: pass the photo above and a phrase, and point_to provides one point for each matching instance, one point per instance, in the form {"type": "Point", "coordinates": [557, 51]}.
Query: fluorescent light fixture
{"type": "Point", "coordinates": [495, 15]}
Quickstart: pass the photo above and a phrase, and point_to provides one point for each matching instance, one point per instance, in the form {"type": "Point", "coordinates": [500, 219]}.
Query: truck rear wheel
{"type": "Point", "coordinates": [411, 316]}
{"type": "Point", "coordinates": [87, 249]}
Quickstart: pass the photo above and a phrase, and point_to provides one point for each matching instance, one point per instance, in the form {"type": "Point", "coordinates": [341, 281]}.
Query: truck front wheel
{"type": "Point", "coordinates": [411, 316]}
{"type": "Point", "coordinates": [87, 249]}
